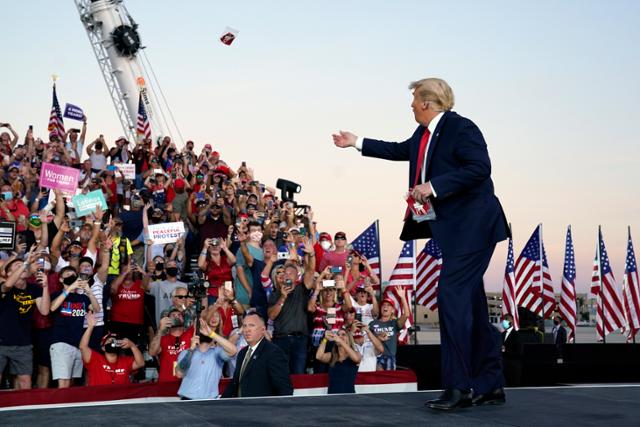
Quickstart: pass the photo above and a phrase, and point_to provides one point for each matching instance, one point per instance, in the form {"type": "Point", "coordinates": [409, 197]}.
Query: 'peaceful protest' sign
{"type": "Point", "coordinates": [128, 170]}
{"type": "Point", "coordinates": [166, 233]}
{"type": "Point", "coordinates": [58, 177]}
{"type": "Point", "coordinates": [85, 204]}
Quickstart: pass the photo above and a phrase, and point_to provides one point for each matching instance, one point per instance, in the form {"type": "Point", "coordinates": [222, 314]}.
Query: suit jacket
{"type": "Point", "coordinates": [511, 344]}
{"type": "Point", "coordinates": [266, 375]}
{"type": "Point", "coordinates": [561, 336]}
{"type": "Point", "coordinates": [469, 216]}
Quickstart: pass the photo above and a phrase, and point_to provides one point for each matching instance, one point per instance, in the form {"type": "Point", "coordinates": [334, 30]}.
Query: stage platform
{"type": "Point", "coordinates": [579, 405]}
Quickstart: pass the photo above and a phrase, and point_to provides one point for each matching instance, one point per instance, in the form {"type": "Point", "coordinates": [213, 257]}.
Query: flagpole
{"type": "Point", "coordinates": [541, 278]}
{"type": "Point", "coordinates": [575, 294]}
{"type": "Point", "coordinates": [415, 326]}
{"type": "Point", "coordinates": [604, 332]}
{"type": "Point", "coordinates": [380, 257]}
{"type": "Point", "coordinates": [633, 335]}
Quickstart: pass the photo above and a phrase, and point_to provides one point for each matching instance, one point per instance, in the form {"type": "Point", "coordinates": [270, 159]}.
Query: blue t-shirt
{"type": "Point", "coordinates": [131, 224]}
{"type": "Point", "coordinates": [68, 319]}
{"type": "Point", "coordinates": [202, 378]}
{"type": "Point", "coordinates": [241, 293]}
{"type": "Point", "coordinates": [259, 297]}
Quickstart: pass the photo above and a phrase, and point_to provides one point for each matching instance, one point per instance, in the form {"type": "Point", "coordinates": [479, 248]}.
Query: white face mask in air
{"type": "Point", "coordinates": [326, 245]}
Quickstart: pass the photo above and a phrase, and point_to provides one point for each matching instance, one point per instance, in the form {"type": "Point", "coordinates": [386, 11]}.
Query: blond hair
{"type": "Point", "coordinates": [435, 91]}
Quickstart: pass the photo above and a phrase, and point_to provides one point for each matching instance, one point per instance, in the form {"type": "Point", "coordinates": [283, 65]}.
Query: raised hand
{"type": "Point", "coordinates": [344, 139]}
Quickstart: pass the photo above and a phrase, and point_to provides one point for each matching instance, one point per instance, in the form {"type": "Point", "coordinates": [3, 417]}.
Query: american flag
{"type": "Point", "coordinates": [428, 265]}
{"type": "Point", "coordinates": [532, 273]}
{"type": "Point", "coordinates": [56, 124]}
{"type": "Point", "coordinates": [368, 245]}
{"type": "Point", "coordinates": [610, 314]}
{"type": "Point", "coordinates": [143, 128]}
{"type": "Point", "coordinates": [630, 292]}
{"type": "Point", "coordinates": [568, 307]}
{"type": "Point", "coordinates": [509, 288]}
{"type": "Point", "coordinates": [402, 280]}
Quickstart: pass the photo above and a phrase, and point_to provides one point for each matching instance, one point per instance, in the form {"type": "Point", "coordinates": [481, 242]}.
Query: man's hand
{"type": "Point", "coordinates": [422, 192]}
{"type": "Point", "coordinates": [205, 329]}
{"type": "Point", "coordinates": [344, 139]}
{"type": "Point", "coordinates": [126, 343]}
{"type": "Point", "coordinates": [91, 319]}
{"type": "Point", "coordinates": [165, 323]}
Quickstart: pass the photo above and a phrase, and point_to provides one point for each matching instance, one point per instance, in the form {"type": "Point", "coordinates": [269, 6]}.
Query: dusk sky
{"type": "Point", "coordinates": [553, 86]}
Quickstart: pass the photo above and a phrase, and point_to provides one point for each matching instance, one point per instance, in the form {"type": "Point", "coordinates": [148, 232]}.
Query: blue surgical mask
{"type": "Point", "coordinates": [506, 324]}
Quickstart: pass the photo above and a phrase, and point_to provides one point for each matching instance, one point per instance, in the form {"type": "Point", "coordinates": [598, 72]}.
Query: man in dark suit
{"type": "Point", "coordinates": [449, 166]}
{"type": "Point", "coordinates": [266, 370]}
{"type": "Point", "coordinates": [559, 335]}
{"type": "Point", "coordinates": [511, 352]}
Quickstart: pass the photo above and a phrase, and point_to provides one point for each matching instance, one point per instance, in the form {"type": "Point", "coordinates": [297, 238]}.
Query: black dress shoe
{"type": "Point", "coordinates": [495, 397]}
{"type": "Point", "coordinates": [456, 400]}
{"type": "Point", "coordinates": [443, 396]}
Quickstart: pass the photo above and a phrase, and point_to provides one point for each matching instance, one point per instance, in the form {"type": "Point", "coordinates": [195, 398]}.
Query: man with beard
{"type": "Point", "coordinates": [171, 338]}
{"type": "Point", "coordinates": [112, 367]}
{"type": "Point", "coordinates": [201, 365]}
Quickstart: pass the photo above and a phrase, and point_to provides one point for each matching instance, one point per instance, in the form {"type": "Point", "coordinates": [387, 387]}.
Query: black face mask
{"type": "Point", "coordinates": [205, 338]}
{"type": "Point", "coordinates": [69, 280]}
{"type": "Point", "coordinates": [155, 219]}
{"type": "Point", "coordinates": [172, 271]}
{"type": "Point", "coordinates": [159, 266]}
{"type": "Point", "coordinates": [555, 322]}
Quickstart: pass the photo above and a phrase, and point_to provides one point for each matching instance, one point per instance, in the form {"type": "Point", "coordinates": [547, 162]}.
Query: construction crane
{"type": "Point", "coordinates": [115, 40]}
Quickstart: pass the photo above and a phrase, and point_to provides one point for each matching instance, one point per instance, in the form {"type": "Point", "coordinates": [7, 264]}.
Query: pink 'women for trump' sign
{"type": "Point", "coordinates": [59, 178]}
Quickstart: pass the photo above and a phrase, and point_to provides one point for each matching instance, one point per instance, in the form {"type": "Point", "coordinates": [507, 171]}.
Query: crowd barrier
{"type": "Point", "coordinates": [304, 385]}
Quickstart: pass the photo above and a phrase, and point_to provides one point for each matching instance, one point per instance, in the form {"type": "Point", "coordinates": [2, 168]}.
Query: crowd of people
{"type": "Point", "coordinates": [90, 300]}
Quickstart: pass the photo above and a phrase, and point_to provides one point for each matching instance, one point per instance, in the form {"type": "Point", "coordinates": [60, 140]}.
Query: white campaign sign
{"type": "Point", "coordinates": [128, 170]}
{"type": "Point", "coordinates": [168, 232]}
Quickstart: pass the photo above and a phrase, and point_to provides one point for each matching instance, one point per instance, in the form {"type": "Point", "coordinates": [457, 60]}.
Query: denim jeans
{"type": "Point", "coordinates": [295, 347]}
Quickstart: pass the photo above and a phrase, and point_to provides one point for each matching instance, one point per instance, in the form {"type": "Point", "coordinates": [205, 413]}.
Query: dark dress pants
{"type": "Point", "coordinates": [470, 345]}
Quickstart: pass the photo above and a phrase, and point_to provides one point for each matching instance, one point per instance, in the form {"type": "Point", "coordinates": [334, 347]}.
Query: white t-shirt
{"type": "Point", "coordinates": [369, 358]}
{"type": "Point", "coordinates": [366, 310]}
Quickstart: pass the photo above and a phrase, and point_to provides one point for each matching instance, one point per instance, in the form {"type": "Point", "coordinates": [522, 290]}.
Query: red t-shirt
{"type": "Point", "coordinates": [170, 348]}
{"type": "Point", "coordinates": [317, 248]}
{"type": "Point", "coordinates": [333, 259]}
{"type": "Point", "coordinates": [40, 321]}
{"type": "Point", "coordinates": [101, 372]}
{"type": "Point", "coordinates": [227, 322]}
{"type": "Point", "coordinates": [218, 274]}
{"type": "Point", "coordinates": [128, 304]}
{"type": "Point", "coordinates": [113, 187]}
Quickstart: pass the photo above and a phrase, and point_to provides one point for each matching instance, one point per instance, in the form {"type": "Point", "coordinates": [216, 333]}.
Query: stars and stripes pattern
{"type": "Point", "coordinates": [568, 307]}
{"type": "Point", "coordinates": [56, 124]}
{"type": "Point", "coordinates": [402, 281]}
{"type": "Point", "coordinates": [368, 245]}
{"type": "Point", "coordinates": [143, 128]}
{"type": "Point", "coordinates": [631, 292]}
{"type": "Point", "coordinates": [533, 279]}
{"type": "Point", "coordinates": [509, 288]}
{"type": "Point", "coordinates": [428, 265]}
{"type": "Point", "coordinates": [610, 314]}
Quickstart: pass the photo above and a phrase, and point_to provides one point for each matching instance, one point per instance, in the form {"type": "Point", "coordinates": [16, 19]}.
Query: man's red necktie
{"type": "Point", "coordinates": [422, 152]}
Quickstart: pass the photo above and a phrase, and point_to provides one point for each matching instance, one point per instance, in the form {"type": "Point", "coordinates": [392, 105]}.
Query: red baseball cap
{"type": "Point", "coordinates": [388, 301]}
{"type": "Point", "coordinates": [325, 236]}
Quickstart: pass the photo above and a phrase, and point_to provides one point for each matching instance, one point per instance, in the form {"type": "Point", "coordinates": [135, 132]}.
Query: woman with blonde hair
{"type": "Point", "coordinates": [343, 361]}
